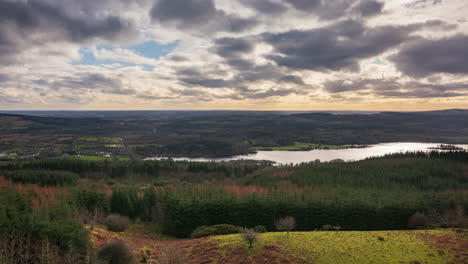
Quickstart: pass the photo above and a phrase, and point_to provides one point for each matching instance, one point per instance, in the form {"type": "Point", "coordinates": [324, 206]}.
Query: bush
{"type": "Point", "coordinates": [116, 253]}
{"type": "Point", "coordinates": [260, 229]}
{"type": "Point", "coordinates": [418, 220]}
{"type": "Point", "coordinates": [249, 235]}
{"type": "Point", "coordinates": [117, 223]}
{"type": "Point", "coordinates": [222, 229]}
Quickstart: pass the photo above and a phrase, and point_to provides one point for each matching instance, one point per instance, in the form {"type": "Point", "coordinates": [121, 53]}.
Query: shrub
{"type": "Point", "coordinates": [287, 223]}
{"type": "Point", "coordinates": [327, 228]}
{"type": "Point", "coordinates": [117, 223]}
{"type": "Point", "coordinates": [222, 229]}
{"type": "Point", "coordinates": [249, 235]}
{"type": "Point", "coordinates": [418, 220]}
{"type": "Point", "coordinates": [116, 253]}
{"type": "Point", "coordinates": [260, 229]}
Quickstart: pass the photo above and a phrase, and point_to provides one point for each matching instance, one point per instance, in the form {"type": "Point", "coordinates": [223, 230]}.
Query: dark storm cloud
{"type": "Point", "coordinates": [424, 57]}
{"type": "Point", "coordinates": [35, 23]}
{"type": "Point", "coordinates": [334, 9]}
{"type": "Point", "coordinates": [394, 88]}
{"type": "Point", "coordinates": [197, 14]}
{"type": "Point", "coordinates": [337, 47]}
{"type": "Point", "coordinates": [265, 6]}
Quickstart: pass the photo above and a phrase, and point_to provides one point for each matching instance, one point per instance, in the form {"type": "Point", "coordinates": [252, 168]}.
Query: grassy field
{"type": "Point", "coordinates": [351, 247]}
{"type": "Point", "coordinates": [301, 146]}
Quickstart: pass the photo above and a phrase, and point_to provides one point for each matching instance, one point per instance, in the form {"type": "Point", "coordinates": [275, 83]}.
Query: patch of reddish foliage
{"type": "Point", "coordinates": [44, 197]}
{"type": "Point", "coordinates": [456, 244]}
{"type": "Point", "coordinates": [202, 252]}
{"type": "Point", "coordinates": [4, 182]}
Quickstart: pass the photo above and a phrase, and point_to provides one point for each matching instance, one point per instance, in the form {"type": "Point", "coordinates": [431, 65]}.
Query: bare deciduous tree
{"type": "Point", "coordinates": [287, 224]}
{"type": "Point", "coordinates": [249, 235]}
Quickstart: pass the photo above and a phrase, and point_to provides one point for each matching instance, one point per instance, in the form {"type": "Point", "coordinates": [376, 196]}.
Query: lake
{"type": "Point", "coordinates": [295, 157]}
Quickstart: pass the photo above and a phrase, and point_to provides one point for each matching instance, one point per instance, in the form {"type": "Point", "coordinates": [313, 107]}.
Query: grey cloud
{"type": "Point", "coordinates": [229, 47]}
{"type": "Point", "coordinates": [36, 15]}
{"type": "Point", "coordinates": [394, 88]}
{"type": "Point", "coordinates": [178, 58]}
{"type": "Point", "coordinates": [186, 12]}
{"type": "Point", "coordinates": [197, 15]}
{"type": "Point", "coordinates": [424, 57]}
{"type": "Point", "coordinates": [335, 9]}
{"type": "Point", "coordinates": [292, 79]}
{"type": "Point", "coordinates": [269, 93]}
{"type": "Point", "coordinates": [6, 99]}
{"type": "Point", "coordinates": [368, 8]}
{"type": "Point", "coordinates": [34, 23]}
{"type": "Point", "coordinates": [305, 5]}
{"type": "Point", "coordinates": [154, 97]}
{"type": "Point", "coordinates": [265, 6]}
{"type": "Point", "coordinates": [339, 86]}
{"type": "Point", "coordinates": [206, 82]}
{"type": "Point", "coordinates": [423, 3]}
{"type": "Point", "coordinates": [336, 47]}
{"type": "Point", "coordinates": [4, 77]}
{"type": "Point", "coordinates": [241, 80]}
{"type": "Point", "coordinates": [93, 81]}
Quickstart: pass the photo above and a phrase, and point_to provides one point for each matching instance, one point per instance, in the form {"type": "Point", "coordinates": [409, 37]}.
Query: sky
{"type": "Point", "coordinates": [396, 55]}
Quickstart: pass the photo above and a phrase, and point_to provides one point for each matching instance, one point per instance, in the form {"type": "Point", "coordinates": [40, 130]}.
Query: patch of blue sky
{"type": "Point", "coordinates": [149, 49]}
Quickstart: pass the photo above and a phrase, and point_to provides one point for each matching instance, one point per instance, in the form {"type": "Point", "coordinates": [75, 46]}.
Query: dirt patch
{"type": "Point", "coordinates": [148, 249]}
{"type": "Point", "coordinates": [203, 252]}
{"type": "Point", "coordinates": [455, 243]}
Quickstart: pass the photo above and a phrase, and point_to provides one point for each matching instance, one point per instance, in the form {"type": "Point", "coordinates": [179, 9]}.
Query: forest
{"type": "Point", "coordinates": [45, 200]}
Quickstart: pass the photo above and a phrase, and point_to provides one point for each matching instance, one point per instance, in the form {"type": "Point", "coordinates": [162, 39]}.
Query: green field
{"type": "Point", "coordinates": [349, 247]}
{"type": "Point", "coordinates": [301, 146]}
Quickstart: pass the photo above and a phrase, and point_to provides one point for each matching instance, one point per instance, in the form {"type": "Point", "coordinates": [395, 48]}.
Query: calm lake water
{"type": "Point", "coordinates": [295, 157]}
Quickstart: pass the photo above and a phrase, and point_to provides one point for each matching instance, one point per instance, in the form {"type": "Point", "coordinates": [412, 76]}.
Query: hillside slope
{"type": "Point", "coordinates": [379, 247]}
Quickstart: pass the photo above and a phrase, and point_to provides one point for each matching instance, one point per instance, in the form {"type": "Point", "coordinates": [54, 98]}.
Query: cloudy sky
{"type": "Point", "coordinates": [233, 54]}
